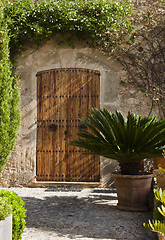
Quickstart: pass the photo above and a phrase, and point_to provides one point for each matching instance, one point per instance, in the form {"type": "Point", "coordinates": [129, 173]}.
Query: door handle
{"type": "Point", "coordinates": [83, 127]}
{"type": "Point", "coordinates": [53, 127]}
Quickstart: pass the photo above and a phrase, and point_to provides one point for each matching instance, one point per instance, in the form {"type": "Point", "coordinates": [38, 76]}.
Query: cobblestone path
{"type": "Point", "coordinates": [80, 214]}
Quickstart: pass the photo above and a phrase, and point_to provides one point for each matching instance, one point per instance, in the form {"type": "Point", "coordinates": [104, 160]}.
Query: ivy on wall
{"type": "Point", "coordinates": [143, 58]}
{"type": "Point", "coordinates": [9, 96]}
{"type": "Point", "coordinates": [100, 22]}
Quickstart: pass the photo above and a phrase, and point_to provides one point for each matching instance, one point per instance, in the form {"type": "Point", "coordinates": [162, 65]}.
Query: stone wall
{"type": "Point", "coordinates": [21, 169]}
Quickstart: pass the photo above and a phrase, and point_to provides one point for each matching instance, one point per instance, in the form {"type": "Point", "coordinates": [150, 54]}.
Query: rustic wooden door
{"type": "Point", "coordinates": [65, 96]}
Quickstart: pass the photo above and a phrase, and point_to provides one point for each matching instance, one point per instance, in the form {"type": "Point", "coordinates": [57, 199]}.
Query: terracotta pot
{"type": "Point", "coordinates": [161, 182]}
{"type": "Point", "coordinates": [161, 236]}
{"type": "Point", "coordinates": [133, 191]}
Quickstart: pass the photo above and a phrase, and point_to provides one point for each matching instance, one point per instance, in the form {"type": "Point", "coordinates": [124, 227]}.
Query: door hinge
{"type": "Point", "coordinates": [95, 73]}
{"type": "Point", "coordinates": [39, 75]}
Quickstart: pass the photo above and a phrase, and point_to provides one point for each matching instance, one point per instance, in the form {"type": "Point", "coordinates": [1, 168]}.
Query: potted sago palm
{"type": "Point", "coordinates": [128, 140]}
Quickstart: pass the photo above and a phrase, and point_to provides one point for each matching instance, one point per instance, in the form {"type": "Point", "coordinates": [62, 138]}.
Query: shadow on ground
{"type": "Point", "coordinates": [92, 216]}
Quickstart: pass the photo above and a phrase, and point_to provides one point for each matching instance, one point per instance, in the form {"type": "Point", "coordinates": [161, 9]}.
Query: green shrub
{"type": "Point", "coordinates": [5, 208]}
{"type": "Point", "coordinates": [18, 212]}
{"type": "Point", "coordinates": [9, 96]}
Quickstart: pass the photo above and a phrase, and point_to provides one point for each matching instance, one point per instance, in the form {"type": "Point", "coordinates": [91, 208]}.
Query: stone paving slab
{"type": "Point", "coordinates": [80, 214]}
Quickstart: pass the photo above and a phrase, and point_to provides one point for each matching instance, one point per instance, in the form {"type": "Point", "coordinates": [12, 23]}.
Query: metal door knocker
{"type": "Point", "coordinates": [66, 132]}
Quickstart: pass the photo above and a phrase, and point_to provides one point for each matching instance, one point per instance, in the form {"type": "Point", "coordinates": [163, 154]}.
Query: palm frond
{"type": "Point", "coordinates": [160, 196]}
{"type": "Point", "coordinates": [155, 226]}
{"type": "Point", "coordinates": [92, 128]}
{"type": "Point", "coordinates": [114, 136]}
{"type": "Point", "coordinates": [100, 122]}
{"type": "Point", "coordinates": [158, 224]}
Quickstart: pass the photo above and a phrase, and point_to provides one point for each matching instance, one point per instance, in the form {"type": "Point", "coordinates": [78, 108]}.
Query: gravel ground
{"type": "Point", "coordinates": [80, 214]}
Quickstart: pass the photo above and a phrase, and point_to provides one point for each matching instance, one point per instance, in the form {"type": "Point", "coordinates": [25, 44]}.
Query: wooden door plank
{"type": "Point", "coordinates": [55, 135]}
{"type": "Point", "coordinates": [90, 105]}
{"type": "Point", "coordinates": [97, 102]}
{"type": "Point", "coordinates": [47, 123]}
{"type": "Point", "coordinates": [74, 86]}
{"type": "Point", "coordinates": [71, 118]}
{"type": "Point", "coordinates": [44, 124]}
{"type": "Point", "coordinates": [63, 125]}
{"type": "Point", "coordinates": [67, 128]}
{"type": "Point", "coordinates": [86, 108]}
{"type": "Point", "coordinates": [42, 129]}
{"type": "Point", "coordinates": [51, 116]}
{"type": "Point", "coordinates": [39, 129]}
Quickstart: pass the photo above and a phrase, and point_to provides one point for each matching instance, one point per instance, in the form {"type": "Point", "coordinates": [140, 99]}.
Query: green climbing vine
{"type": "Point", "coordinates": [99, 22]}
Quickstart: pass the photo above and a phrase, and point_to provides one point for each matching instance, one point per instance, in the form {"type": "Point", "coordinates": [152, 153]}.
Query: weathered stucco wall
{"type": "Point", "coordinates": [21, 169]}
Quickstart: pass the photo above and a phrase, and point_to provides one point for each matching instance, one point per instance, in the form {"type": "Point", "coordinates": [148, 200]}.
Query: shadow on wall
{"type": "Point", "coordinates": [106, 167]}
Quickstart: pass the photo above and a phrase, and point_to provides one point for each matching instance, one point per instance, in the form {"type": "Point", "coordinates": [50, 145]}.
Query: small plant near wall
{"type": "Point", "coordinates": [18, 212]}
{"type": "Point", "coordinates": [158, 224]}
{"type": "Point", "coordinates": [160, 177]}
{"type": "Point", "coordinates": [5, 219]}
{"type": "Point", "coordinates": [5, 208]}
{"type": "Point", "coordinates": [9, 96]}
